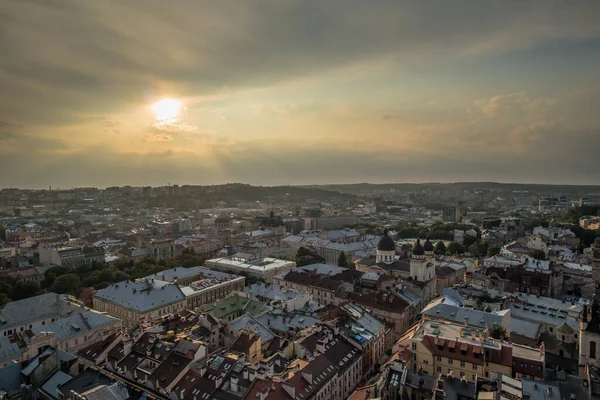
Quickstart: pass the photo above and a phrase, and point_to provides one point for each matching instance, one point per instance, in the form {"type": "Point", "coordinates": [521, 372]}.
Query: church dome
{"type": "Point", "coordinates": [386, 243]}
{"type": "Point", "coordinates": [418, 249]}
{"type": "Point", "coordinates": [427, 246]}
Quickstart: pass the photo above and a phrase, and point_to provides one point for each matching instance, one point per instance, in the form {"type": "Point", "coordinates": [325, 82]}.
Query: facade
{"type": "Point", "coordinates": [451, 214]}
{"type": "Point", "coordinates": [71, 257]}
{"type": "Point", "coordinates": [162, 249]}
{"type": "Point", "coordinates": [467, 353]}
{"type": "Point", "coordinates": [589, 336]}
{"type": "Point", "coordinates": [210, 287]}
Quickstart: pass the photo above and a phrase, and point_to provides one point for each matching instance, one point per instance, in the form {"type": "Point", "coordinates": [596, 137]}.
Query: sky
{"type": "Point", "coordinates": [274, 92]}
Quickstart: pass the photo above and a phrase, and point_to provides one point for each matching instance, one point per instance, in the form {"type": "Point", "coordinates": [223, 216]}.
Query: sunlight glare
{"type": "Point", "coordinates": [166, 109]}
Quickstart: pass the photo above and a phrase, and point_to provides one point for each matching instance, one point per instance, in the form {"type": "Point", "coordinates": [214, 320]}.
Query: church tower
{"type": "Point", "coordinates": [422, 271]}
{"type": "Point", "coordinates": [589, 334]}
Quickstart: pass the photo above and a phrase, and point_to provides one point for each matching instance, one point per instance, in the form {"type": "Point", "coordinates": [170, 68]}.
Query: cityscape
{"type": "Point", "coordinates": [299, 200]}
{"type": "Point", "coordinates": [466, 291]}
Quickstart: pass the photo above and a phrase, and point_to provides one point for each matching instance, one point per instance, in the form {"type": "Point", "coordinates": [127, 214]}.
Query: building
{"type": "Point", "coordinates": [182, 275]}
{"type": "Point", "coordinates": [589, 336]}
{"type": "Point", "coordinates": [260, 268]}
{"type": "Point", "coordinates": [211, 286]}
{"type": "Point", "coordinates": [36, 312]}
{"type": "Point", "coordinates": [162, 249]}
{"type": "Point", "coordinates": [596, 266]}
{"type": "Point", "coordinates": [326, 223]}
{"type": "Point", "coordinates": [451, 214]}
{"type": "Point", "coordinates": [133, 302]}
{"type": "Point", "coordinates": [512, 273]}
{"type": "Point", "coordinates": [71, 257]}
{"type": "Point", "coordinates": [442, 347]}
{"type": "Point", "coordinates": [330, 368]}
{"type": "Point", "coordinates": [369, 334]}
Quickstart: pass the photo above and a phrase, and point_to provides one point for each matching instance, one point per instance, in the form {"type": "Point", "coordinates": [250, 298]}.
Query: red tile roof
{"type": "Point", "coordinates": [446, 348]}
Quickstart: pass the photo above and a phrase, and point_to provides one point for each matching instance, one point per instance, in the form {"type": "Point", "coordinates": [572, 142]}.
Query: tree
{"type": "Point", "coordinates": [6, 288]}
{"type": "Point", "coordinates": [25, 289]}
{"type": "Point", "coordinates": [306, 257]}
{"type": "Point", "coordinates": [597, 242]}
{"type": "Point", "coordinates": [474, 249]}
{"type": "Point", "coordinates": [342, 262]}
{"type": "Point", "coordinates": [4, 299]}
{"type": "Point", "coordinates": [68, 283]}
{"type": "Point", "coordinates": [440, 248]}
{"type": "Point", "coordinates": [498, 332]}
{"type": "Point", "coordinates": [469, 240]}
{"type": "Point", "coordinates": [538, 255]}
{"type": "Point", "coordinates": [454, 248]}
{"type": "Point", "coordinates": [492, 251]}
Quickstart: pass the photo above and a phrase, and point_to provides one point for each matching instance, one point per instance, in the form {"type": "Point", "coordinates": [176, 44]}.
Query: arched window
{"type": "Point", "coordinates": [592, 349]}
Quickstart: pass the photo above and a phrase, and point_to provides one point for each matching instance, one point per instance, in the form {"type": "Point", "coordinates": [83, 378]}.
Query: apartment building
{"type": "Point", "coordinates": [442, 347]}
{"type": "Point", "coordinates": [71, 257]}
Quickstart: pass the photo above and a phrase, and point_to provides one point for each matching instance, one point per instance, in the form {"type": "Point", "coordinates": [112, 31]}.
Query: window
{"type": "Point", "coordinates": [563, 338]}
{"type": "Point", "coordinates": [550, 329]}
{"type": "Point", "coordinates": [438, 358]}
{"type": "Point", "coordinates": [473, 377]}
{"type": "Point", "coordinates": [462, 374]}
{"type": "Point", "coordinates": [462, 364]}
{"type": "Point", "coordinates": [592, 349]}
{"type": "Point", "coordinates": [439, 369]}
{"type": "Point", "coordinates": [474, 366]}
{"type": "Point", "coordinates": [414, 346]}
{"type": "Point", "coordinates": [450, 361]}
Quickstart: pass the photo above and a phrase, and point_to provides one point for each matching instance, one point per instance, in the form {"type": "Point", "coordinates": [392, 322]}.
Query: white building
{"type": "Point", "coordinates": [260, 268]}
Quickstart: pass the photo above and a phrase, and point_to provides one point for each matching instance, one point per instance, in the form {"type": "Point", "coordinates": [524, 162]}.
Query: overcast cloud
{"type": "Point", "coordinates": [294, 92]}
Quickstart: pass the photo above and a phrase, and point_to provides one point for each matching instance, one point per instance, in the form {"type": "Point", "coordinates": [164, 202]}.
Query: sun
{"type": "Point", "coordinates": [167, 109]}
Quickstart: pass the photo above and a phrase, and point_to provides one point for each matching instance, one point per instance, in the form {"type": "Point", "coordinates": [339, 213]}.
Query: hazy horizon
{"type": "Point", "coordinates": [276, 92]}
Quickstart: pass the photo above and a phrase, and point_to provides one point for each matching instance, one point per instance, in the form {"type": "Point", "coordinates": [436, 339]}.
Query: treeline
{"type": "Point", "coordinates": [98, 275]}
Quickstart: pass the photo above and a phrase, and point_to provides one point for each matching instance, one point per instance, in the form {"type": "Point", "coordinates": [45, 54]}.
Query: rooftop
{"type": "Point", "coordinates": [259, 265]}
{"type": "Point", "coordinates": [140, 296]}
{"type": "Point", "coordinates": [173, 274]}
{"type": "Point", "coordinates": [43, 307]}
{"type": "Point", "coordinates": [78, 324]}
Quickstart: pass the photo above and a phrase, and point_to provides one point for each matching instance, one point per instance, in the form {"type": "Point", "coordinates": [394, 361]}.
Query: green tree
{"type": "Point", "coordinates": [4, 299]}
{"type": "Point", "coordinates": [67, 284]}
{"type": "Point", "coordinates": [25, 289]}
{"type": "Point", "coordinates": [538, 255]}
{"type": "Point", "coordinates": [498, 332]}
{"type": "Point", "coordinates": [469, 240]}
{"type": "Point", "coordinates": [342, 262]}
{"type": "Point", "coordinates": [306, 257]}
{"type": "Point", "coordinates": [6, 288]}
{"type": "Point", "coordinates": [454, 248]}
{"type": "Point", "coordinates": [474, 249]}
{"type": "Point", "coordinates": [440, 248]}
{"type": "Point", "coordinates": [597, 242]}
{"type": "Point", "coordinates": [492, 251]}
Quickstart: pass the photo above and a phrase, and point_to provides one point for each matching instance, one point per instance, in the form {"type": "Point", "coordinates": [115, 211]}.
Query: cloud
{"type": "Point", "coordinates": [284, 91]}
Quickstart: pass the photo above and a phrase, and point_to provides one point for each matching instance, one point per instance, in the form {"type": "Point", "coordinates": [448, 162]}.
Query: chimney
{"type": "Point", "coordinates": [440, 382]}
